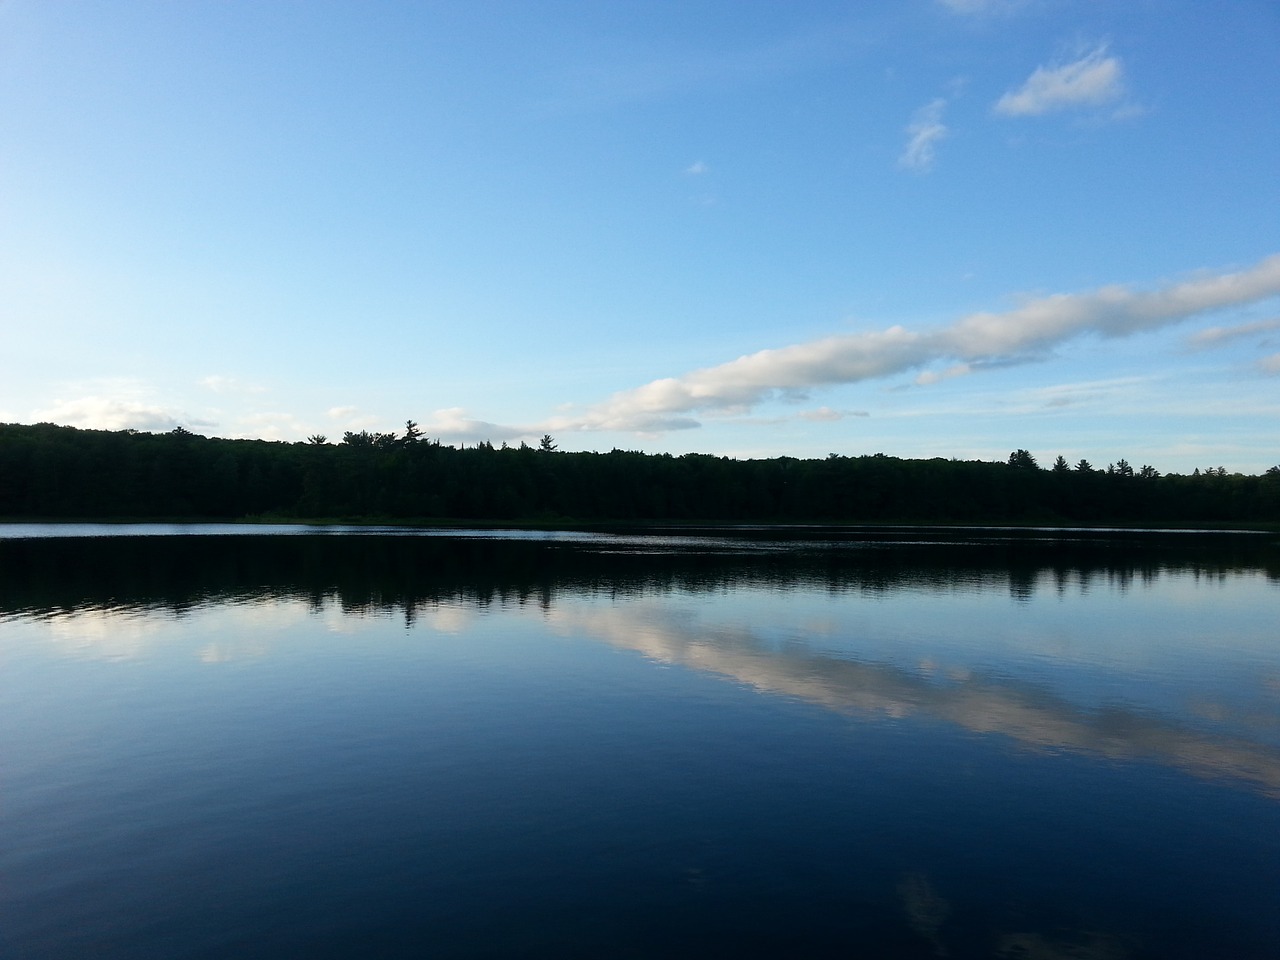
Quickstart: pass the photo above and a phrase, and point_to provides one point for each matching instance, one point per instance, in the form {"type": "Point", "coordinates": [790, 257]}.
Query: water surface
{"type": "Point", "coordinates": [914, 743]}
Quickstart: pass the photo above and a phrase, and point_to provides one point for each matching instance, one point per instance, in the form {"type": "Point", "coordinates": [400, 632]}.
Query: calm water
{"type": "Point", "coordinates": [290, 743]}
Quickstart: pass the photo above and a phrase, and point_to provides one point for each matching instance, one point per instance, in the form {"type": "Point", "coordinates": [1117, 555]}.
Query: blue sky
{"type": "Point", "coordinates": [924, 227]}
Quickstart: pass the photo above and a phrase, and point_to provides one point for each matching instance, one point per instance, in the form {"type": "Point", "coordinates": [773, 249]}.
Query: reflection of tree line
{"type": "Point", "coordinates": [51, 472]}
{"type": "Point", "coordinates": [401, 572]}
{"type": "Point", "coordinates": [398, 573]}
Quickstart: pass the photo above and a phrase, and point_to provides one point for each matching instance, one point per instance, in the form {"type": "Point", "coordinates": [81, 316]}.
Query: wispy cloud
{"type": "Point", "coordinates": [1089, 393]}
{"type": "Point", "coordinates": [221, 384]}
{"type": "Point", "coordinates": [971, 7]}
{"type": "Point", "coordinates": [928, 377]}
{"type": "Point", "coordinates": [975, 342]}
{"type": "Point", "coordinates": [697, 169]}
{"type": "Point", "coordinates": [925, 131]}
{"type": "Point", "coordinates": [608, 76]}
{"type": "Point", "coordinates": [1094, 79]}
{"type": "Point", "coordinates": [828, 415]}
{"type": "Point", "coordinates": [1270, 364]}
{"type": "Point", "coordinates": [1216, 336]}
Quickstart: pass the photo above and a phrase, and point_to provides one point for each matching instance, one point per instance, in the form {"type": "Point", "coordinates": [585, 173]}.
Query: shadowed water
{"type": "Point", "coordinates": [913, 743]}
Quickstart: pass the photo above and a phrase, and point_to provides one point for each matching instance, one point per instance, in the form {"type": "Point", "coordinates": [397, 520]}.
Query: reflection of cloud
{"type": "Point", "coordinates": [976, 342]}
{"type": "Point", "coordinates": [130, 634]}
{"type": "Point", "coordinates": [976, 703]}
{"type": "Point", "coordinates": [453, 618]}
{"type": "Point", "coordinates": [1077, 945]}
{"type": "Point", "coordinates": [104, 634]}
{"type": "Point", "coordinates": [925, 131]}
{"type": "Point", "coordinates": [1093, 79]}
{"type": "Point", "coordinates": [925, 910]}
{"type": "Point", "coordinates": [223, 652]}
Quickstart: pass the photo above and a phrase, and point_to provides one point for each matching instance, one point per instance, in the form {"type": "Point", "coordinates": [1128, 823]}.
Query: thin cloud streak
{"type": "Point", "coordinates": [828, 415]}
{"type": "Point", "coordinates": [980, 7]}
{"type": "Point", "coordinates": [1216, 336]}
{"type": "Point", "coordinates": [1092, 80]}
{"type": "Point", "coordinates": [220, 384]}
{"type": "Point", "coordinates": [980, 340]}
{"type": "Point", "coordinates": [924, 133]}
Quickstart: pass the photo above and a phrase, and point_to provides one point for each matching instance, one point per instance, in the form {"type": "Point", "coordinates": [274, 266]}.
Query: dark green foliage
{"type": "Point", "coordinates": [53, 472]}
{"type": "Point", "coordinates": [1023, 460]}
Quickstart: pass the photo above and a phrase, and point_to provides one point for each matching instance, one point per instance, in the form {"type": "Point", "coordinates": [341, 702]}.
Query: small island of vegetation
{"type": "Point", "coordinates": [50, 472]}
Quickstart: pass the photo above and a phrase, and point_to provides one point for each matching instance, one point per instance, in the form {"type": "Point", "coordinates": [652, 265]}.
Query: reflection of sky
{"type": "Point", "coordinates": [1156, 644]}
{"type": "Point", "coordinates": [1176, 669]}
{"type": "Point", "coordinates": [1196, 686]}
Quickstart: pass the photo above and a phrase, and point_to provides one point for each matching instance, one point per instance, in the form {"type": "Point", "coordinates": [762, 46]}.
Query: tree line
{"type": "Point", "coordinates": [56, 472]}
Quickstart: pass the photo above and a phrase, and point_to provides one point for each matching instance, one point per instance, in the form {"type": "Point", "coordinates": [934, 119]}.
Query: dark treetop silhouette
{"type": "Point", "coordinates": [53, 472]}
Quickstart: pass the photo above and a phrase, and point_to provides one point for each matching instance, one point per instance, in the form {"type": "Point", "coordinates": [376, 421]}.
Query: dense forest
{"type": "Point", "coordinates": [54, 472]}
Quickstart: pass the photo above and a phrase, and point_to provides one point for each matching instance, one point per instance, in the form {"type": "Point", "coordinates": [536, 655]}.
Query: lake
{"type": "Point", "coordinates": [312, 742]}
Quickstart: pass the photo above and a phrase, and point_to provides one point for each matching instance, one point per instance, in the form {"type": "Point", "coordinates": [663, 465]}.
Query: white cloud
{"type": "Point", "coordinates": [1215, 336]}
{"type": "Point", "coordinates": [270, 426]}
{"type": "Point", "coordinates": [697, 168]}
{"type": "Point", "coordinates": [454, 425]}
{"type": "Point", "coordinates": [1092, 80]}
{"type": "Point", "coordinates": [924, 132]}
{"type": "Point", "coordinates": [353, 418]}
{"type": "Point", "coordinates": [978, 341]}
{"type": "Point", "coordinates": [115, 413]}
{"type": "Point", "coordinates": [450, 425]}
